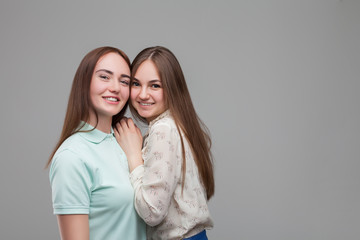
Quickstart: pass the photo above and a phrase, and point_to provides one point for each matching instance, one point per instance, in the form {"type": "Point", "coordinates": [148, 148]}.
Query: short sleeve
{"type": "Point", "coordinates": [70, 183]}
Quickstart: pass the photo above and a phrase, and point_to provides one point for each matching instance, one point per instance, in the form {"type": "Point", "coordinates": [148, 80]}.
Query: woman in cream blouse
{"type": "Point", "coordinates": [173, 173]}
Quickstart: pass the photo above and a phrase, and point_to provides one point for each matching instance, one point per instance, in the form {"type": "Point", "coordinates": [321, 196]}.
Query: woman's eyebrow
{"type": "Point", "coordinates": [124, 75]}
{"type": "Point", "coordinates": [151, 81]}
{"type": "Point", "coordinates": [111, 73]}
{"type": "Point", "coordinates": [105, 70]}
{"type": "Point", "coordinates": [155, 80]}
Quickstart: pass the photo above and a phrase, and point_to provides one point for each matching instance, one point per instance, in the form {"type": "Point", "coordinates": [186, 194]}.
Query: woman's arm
{"type": "Point", "coordinates": [155, 180]}
{"type": "Point", "coordinates": [74, 226]}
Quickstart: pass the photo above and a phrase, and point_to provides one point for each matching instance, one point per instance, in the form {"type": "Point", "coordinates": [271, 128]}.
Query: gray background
{"type": "Point", "coordinates": [276, 82]}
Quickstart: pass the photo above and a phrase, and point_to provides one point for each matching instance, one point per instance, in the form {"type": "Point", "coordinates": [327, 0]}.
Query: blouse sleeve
{"type": "Point", "coordinates": [155, 181]}
{"type": "Point", "coordinates": [70, 184]}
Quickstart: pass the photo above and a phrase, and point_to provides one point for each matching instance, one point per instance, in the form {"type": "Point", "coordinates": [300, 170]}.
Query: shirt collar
{"type": "Point", "coordinates": [92, 134]}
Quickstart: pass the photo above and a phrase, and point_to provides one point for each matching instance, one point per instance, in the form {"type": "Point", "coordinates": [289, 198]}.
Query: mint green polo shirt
{"type": "Point", "coordinates": [89, 174]}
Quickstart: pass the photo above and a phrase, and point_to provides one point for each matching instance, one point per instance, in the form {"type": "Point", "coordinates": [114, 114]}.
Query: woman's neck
{"type": "Point", "coordinates": [103, 123]}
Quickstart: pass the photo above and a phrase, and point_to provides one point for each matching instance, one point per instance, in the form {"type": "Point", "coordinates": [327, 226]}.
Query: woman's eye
{"type": "Point", "coordinates": [156, 86]}
{"type": "Point", "coordinates": [104, 77]}
{"type": "Point", "coordinates": [125, 82]}
{"type": "Point", "coordinates": [136, 84]}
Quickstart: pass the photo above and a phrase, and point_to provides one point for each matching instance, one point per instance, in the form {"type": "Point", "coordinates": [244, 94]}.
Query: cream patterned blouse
{"type": "Point", "coordinates": [169, 213]}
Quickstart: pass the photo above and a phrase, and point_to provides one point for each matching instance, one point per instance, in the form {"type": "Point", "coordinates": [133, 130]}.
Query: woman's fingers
{"type": "Point", "coordinates": [131, 124]}
{"type": "Point", "coordinates": [116, 133]}
{"type": "Point", "coordinates": [126, 126]}
{"type": "Point", "coordinates": [118, 128]}
{"type": "Point", "coordinates": [123, 122]}
{"type": "Point", "coordinates": [138, 131]}
{"type": "Point", "coordinates": [122, 125]}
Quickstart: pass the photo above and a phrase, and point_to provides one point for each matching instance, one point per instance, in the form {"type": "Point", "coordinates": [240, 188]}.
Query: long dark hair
{"type": "Point", "coordinates": [79, 104]}
{"type": "Point", "coordinates": [178, 101]}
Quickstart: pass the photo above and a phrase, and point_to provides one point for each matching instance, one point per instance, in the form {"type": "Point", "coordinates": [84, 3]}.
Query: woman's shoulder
{"type": "Point", "coordinates": [72, 146]}
{"type": "Point", "coordinates": [165, 123]}
{"type": "Point", "coordinates": [165, 129]}
{"type": "Point", "coordinates": [74, 139]}
{"type": "Point", "coordinates": [165, 119]}
{"type": "Point", "coordinates": [70, 155]}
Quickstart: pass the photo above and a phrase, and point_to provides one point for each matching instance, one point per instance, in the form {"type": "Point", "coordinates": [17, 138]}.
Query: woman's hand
{"type": "Point", "coordinates": [130, 139]}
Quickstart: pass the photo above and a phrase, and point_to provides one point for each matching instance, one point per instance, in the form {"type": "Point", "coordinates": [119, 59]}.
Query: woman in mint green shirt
{"type": "Point", "coordinates": [89, 175]}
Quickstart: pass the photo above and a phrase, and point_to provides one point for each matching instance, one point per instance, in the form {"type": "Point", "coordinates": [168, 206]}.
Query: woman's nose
{"type": "Point", "coordinates": [143, 93]}
{"type": "Point", "coordinates": [114, 86]}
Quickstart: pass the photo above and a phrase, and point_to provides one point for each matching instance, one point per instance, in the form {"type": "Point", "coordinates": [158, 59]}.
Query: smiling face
{"type": "Point", "coordinates": [109, 87]}
{"type": "Point", "coordinates": [147, 95]}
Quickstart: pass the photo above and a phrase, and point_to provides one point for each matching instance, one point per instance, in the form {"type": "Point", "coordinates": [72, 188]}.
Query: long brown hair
{"type": "Point", "coordinates": [80, 105]}
{"type": "Point", "coordinates": [178, 101]}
